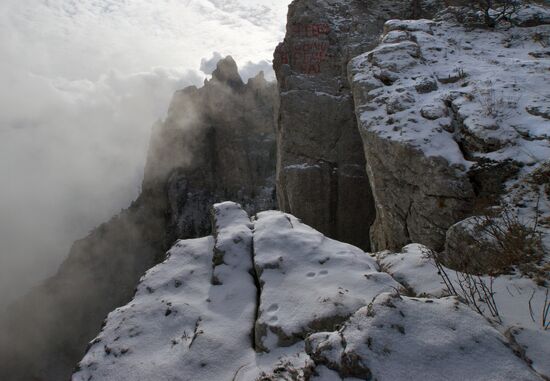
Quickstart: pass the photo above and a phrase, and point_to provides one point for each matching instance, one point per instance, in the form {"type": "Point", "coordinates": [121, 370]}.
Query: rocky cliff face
{"type": "Point", "coordinates": [446, 123]}
{"type": "Point", "coordinates": [440, 134]}
{"type": "Point", "coordinates": [380, 142]}
{"type": "Point", "coordinates": [216, 143]}
{"type": "Point", "coordinates": [321, 172]}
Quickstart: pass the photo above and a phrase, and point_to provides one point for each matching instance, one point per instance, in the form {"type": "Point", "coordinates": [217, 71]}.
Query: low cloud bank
{"type": "Point", "coordinates": [82, 85]}
{"type": "Point", "coordinates": [70, 160]}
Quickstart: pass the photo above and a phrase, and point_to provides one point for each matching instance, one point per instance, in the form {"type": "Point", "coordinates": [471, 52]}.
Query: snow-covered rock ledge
{"type": "Point", "coordinates": [515, 298]}
{"type": "Point", "coordinates": [451, 118]}
{"type": "Point", "coordinates": [273, 299]}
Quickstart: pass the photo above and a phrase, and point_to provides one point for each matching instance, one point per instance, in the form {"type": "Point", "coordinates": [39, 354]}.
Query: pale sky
{"type": "Point", "coordinates": [81, 83]}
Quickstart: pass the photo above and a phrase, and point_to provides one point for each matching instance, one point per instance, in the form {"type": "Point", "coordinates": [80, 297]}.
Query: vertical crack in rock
{"type": "Point", "coordinates": [334, 199]}
{"type": "Point", "coordinates": [234, 252]}
{"type": "Point", "coordinates": [256, 278]}
{"type": "Point", "coordinates": [406, 221]}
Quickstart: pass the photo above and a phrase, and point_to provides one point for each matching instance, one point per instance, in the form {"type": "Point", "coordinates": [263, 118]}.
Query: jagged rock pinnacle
{"type": "Point", "coordinates": [227, 72]}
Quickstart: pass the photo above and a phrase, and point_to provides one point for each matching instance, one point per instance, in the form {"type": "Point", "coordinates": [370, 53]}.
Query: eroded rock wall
{"type": "Point", "coordinates": [446, 132]}
{"type": "Point", "coordinates": [321, 174]}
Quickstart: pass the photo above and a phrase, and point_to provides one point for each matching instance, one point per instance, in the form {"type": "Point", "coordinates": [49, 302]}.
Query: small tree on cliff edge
{"type": "Point", "coordinates": [496, 11]}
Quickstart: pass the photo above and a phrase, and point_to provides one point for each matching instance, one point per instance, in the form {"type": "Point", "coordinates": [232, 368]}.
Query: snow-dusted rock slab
{"type": "Point", "coordinates": [513, 295]}
{"type": "Point", "coordinates": [401, 338]}
{"type": "Point", "coordinates": [198, 316]}
{"type": "Point", "coordinates": [181, 324]}
{"type": "Point", "coordinates": [308, 282]}
{"type": "Point", "coordinates": [413, 269]}
{"type": "Point", "coordinates": [448, 115]}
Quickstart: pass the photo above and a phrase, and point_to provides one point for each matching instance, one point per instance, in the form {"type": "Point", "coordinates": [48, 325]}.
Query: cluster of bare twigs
{"type": "Point", "coordinates": [545, 312]}
{"type": "Point", "coordinates": [496, 11]}
{"type": "Point", "coordinates": [474, 290]}
{"type": "Point", "coordinates": [478, 293]}
{"type": "Point", "coordinates": [497, 242]}
{"type": "Point", "coordinates": [286, 371]}
{"type": "Point", "coordinates": [494, 104]}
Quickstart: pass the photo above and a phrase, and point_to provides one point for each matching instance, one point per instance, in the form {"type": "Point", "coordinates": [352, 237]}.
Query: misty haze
{"type": "Point", "coordinates": [82, 85]}
{"type": "Point", "coordinates": [302, 190]}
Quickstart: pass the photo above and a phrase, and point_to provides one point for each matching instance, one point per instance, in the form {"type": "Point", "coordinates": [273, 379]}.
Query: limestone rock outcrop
{"type": "Point", "coordinates": [312, 309]}
{"type": "Point", "coordinates": [440, 140]}
{"type": "Point", "coordinates": [418, 195]}
{"type": "Point", "coordinates": [217, 143]}
{"type": "Point", "coordinates": [445, 131]}
{"type": "Point", "coordinates": [234, 303]}
{"type": "Point", "coordinates": [321, 173]}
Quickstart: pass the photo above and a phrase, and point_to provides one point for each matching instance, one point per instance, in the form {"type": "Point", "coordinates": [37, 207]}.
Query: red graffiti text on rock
{"type": "Point", "coordinates": [307, 54]}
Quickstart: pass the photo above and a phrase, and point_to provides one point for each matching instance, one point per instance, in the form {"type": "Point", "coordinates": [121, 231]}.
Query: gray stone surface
{"type": "Point", "coordinates": [444, 140]}
{"type": "Point", "coordinates": [321, 173]}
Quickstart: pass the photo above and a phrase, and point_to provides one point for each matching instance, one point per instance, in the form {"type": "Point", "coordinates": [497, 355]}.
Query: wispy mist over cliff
{"type": "Point", "coordinates": [82, 84]}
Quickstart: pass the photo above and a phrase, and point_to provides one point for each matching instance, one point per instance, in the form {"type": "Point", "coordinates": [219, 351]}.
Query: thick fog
{"type": "Point", "coordinates": [82, 82]}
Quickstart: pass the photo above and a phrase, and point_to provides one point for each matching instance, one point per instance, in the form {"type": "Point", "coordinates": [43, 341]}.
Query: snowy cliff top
{"type": "Point", "coordinates": [273, 299]}
{"type": "Point", "coordinates": [457, 92]}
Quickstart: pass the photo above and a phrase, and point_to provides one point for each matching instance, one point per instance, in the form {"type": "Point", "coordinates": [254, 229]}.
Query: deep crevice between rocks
{"type": "Point", "coordinates": [255, 276]}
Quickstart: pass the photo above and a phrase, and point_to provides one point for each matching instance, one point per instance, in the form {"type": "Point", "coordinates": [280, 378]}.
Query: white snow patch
{"type": "Point", "coordinates": [400, 338]}
{"type": "Point", "coordinates": [512, 295]}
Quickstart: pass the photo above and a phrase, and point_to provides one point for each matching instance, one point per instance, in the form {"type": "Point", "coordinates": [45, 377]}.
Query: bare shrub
{"type": "Point", "coordinates": [495, 243]}
{"type": "Point", "coordinates": [496, 104]}
{"type": "Point", "coordinates": [473, 290]}
{"type": "Point", "coordinates": [545, 311]}
{"type": "Point", "coordinates": [496, 11]}
{"type": "Point", "coordinates": [511, 241]}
